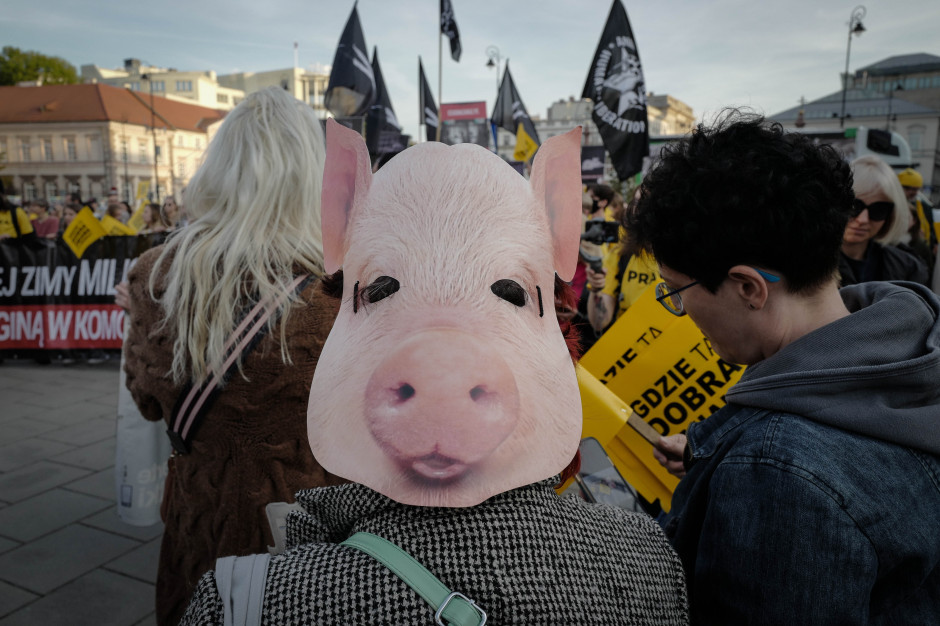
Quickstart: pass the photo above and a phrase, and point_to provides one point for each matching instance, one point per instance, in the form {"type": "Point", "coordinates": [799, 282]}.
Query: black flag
{"type": "Point", "coordinates": [509, 112]}
{"type": "Point", "coordinates": [351, 90]}
{"type": "Point", "coordinates": [615, 84]}
{"type": "Point", "coordinates": [449, 28]}
{"type": "Point", "coordinates": [382, 128]}
{"type": "Point", "coordinates": [427, 110]}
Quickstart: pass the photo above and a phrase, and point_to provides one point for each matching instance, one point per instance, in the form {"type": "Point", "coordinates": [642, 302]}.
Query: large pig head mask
{"type": "Point", "coordinates": [445, 379]}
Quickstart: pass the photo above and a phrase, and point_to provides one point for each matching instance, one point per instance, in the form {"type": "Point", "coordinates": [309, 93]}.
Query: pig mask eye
{"type": "Point", "coordinates": [381, 288]}
{"type": "Point", "coordinates": [512, 292]}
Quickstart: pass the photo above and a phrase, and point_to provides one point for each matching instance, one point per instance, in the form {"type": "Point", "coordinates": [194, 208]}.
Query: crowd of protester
{"type": "Point", "coordinates": [812, 497]}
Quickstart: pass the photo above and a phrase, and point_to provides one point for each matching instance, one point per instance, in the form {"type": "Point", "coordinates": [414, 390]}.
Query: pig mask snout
{"type": "Point", "coordinates": [441, 403]}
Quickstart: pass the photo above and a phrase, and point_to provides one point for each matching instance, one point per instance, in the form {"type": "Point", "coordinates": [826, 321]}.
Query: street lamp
{"type": "Point", "coordinates": [855, 28]}
{"type": "Point", "coordinates": [897, 87]}
{"type": "Point", "coordinates": [493, 53]}
{"type": "Point", "coordinates": [153, 132]}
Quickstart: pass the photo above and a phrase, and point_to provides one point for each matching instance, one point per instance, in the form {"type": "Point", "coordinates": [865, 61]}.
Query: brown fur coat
{"type": "Point", "coordinates": [250, 450]}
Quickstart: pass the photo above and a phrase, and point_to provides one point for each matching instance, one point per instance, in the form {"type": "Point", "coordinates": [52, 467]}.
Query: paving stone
{"type": "Point", "coordinates": [27, 451]}
{"type": "Point", "coordinates": [48, 400]}
{"type": "Point", "coordinates": [42, 565]}
{"type": "Point", "coordinates": [84, 433]}
{"type": "Point", "coordinates": [140, 563]}
{"type": "Point", "coordinates": [23, 428]}
{"type": "Point", "coordinates": [100, 598]}
{"type": "Point", "coordinates": [7, 544]}
{"type": "Point", "coordinates": [51, 510]}
{"type": "Point", "coordinates": [15, 408]}
{"type": "Point", "coordinates": [108, 520]}
{"type": "Point", "coordinates": [27, 481]}
{"type": "Point", "coordinates": [100, 484]}
{"type": "Point", "coordinates": [74, 413]}
{"type": "Point", "coordinates": [12, 598]}
{"type": "Point", "coordinates": [97, 456]}
{"type": "Point", "coordinates": [150, 620]}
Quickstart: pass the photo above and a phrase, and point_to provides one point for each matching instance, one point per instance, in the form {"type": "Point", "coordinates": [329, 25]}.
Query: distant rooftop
{"type": "Point", "coordinates": [903, 64]}
{"type": "Point", "coordinates": [97, 102]}
{"type": "Point", "coordinates": [858, 103]}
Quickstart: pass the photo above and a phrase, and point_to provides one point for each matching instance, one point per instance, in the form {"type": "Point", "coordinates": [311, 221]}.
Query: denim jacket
{"type": "Point", "coordinates": [783, 520]}
{"type": "Point", "coordinates": [813, 497]}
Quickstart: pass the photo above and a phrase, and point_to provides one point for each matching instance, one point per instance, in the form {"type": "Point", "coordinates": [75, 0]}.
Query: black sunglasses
{"type": "Point", "coordinates": [877, 211]}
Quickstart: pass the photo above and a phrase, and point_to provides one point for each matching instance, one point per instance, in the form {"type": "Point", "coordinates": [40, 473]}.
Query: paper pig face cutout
{"type": "Point", "coordinates": [446, 379]}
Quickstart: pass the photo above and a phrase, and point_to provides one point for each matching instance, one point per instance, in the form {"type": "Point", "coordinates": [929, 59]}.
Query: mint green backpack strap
{"type": "Point", "coordinates": [450, 606]}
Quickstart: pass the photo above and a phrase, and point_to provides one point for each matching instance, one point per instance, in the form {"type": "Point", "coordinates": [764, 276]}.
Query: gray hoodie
{"type": "Point", "coordinates": [875, 372]}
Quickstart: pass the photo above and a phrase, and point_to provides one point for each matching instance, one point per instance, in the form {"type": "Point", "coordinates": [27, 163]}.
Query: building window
{"type": "Point", "coordinates": [221, 98]}
{"type": "Point", "coordinates": [4, 158]}
{"type": "Point", "coordinates": [134, 85]}
{"type": "Point", "coordinates": [70, 151]}
{"type": "Point", "coordinates": [26, 151]}
{"type": "Point", "coordinates": [51, 191]}
{"type": "Point", "coordinates": [142, 150]}
{"type": "Point", "coordinates": [184, 85]}
{"type": "Point", "coordinates": [46, 143]}
{"type": "Point", "coordinates": [181, 169]}
{"type": "Point", "coordinates": [124, 149]}
{"type": "Point", "coordinates": [159, 85]}
{"type": "Point", "coordinates": [180, 141]}
{"type": "Point", "coordinates": [94, 147]}
{"type": "Point", "coordinates": [198, 143]}
{"type": "Point", "coordinates": [915, 136]}
{"type": "Point", "coordinates": [29, 191]}
{"type": "Point", "coordinates": [74, 187]}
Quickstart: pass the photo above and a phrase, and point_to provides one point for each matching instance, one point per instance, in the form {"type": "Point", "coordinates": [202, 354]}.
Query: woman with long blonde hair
{"type": "Point", "coordinates": [252, 249]}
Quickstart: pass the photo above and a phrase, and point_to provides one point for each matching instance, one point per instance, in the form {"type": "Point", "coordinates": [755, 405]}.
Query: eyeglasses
{"type": "Point", "coordinates": [672, 301]}
{"type": "Point", "coordinates": [877, 211]}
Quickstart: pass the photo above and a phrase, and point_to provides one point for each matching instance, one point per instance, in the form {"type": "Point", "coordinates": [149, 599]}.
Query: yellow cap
{"type": "Point", "coordinates": [911, 178]}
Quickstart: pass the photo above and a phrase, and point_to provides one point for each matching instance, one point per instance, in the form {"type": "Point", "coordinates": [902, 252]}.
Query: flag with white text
{"type": "Point", "coordinates": [351, 90]}
{"type": "Point", "coordinates": [382, 127]}
{"type": "Point", "coordinates": [616, 85]}
{"type": "Point", "coordinates": [449, 28]}
{"type": "Point", "coordinates": [427, 110]}
{"type": "Point", "coordinates": [510, 113]}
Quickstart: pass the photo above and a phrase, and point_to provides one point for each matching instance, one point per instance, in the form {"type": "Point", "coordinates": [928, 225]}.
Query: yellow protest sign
{"type": "Point", "coordinates": [136, 221]}
{"type": "Point", "coordinates": [663, 369]}
{"type": "Point", "coordinates": [83, 231]}
{"type": "Point", "coordinates": [143, 188]}
{"type": "Point", "coordinates": [605, 419]}
{"type": "Point", "coordinates": [115, 227]}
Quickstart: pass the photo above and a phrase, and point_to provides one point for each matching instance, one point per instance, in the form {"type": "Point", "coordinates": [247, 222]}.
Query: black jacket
{"type": "Point", "coordinates": [889, 263]}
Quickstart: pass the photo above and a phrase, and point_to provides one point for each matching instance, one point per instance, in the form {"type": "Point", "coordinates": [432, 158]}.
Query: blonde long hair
{"type": "Point", "coordinates": [255, 210]}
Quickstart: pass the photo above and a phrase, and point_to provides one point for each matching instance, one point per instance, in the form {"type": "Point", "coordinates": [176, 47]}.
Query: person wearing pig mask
{"type": "Point", "coordinates": [446, 391]}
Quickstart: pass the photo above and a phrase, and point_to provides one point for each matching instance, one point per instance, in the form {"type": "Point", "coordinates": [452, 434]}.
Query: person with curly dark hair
{"type": "Point", "coordinates": [812, 497]}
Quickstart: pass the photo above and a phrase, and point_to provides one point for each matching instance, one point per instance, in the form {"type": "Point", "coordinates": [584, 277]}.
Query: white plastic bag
{"type": "Point", "coordinates": [140, 466]}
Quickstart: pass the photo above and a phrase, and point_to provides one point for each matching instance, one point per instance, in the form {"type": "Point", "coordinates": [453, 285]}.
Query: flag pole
{"type": "Point", "coordinates": [440, 65]}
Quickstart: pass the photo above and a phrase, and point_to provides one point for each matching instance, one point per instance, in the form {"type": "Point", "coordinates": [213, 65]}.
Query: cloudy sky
{"type": "Point", "coordinates": [708, 53]}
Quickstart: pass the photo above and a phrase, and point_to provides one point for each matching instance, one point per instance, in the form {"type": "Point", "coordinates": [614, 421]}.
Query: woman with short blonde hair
{"type": "Point", "coordinates": [873, 244]}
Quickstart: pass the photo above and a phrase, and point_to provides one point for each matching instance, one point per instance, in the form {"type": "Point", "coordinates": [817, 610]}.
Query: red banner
{"type": "Point", "coordinates": [51, 326]}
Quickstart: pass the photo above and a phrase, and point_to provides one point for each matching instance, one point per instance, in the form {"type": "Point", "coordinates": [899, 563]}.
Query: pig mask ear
{"type": "Point", "coordinates": [346, 179]}
{"type": "Point", "coordinates": [556, 182]}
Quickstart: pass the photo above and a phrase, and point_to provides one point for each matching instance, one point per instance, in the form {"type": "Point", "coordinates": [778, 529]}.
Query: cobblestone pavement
{"type": "Point", "coordinates": [65, 557]}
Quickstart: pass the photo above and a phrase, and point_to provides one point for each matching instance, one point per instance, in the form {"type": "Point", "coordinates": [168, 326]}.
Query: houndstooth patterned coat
{"type": "Point", "coordinates": [525, 556]}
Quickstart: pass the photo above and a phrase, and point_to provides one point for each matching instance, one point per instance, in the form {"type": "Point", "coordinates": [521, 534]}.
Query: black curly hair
{"type": "Point", "coordinates": [743, 191]}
